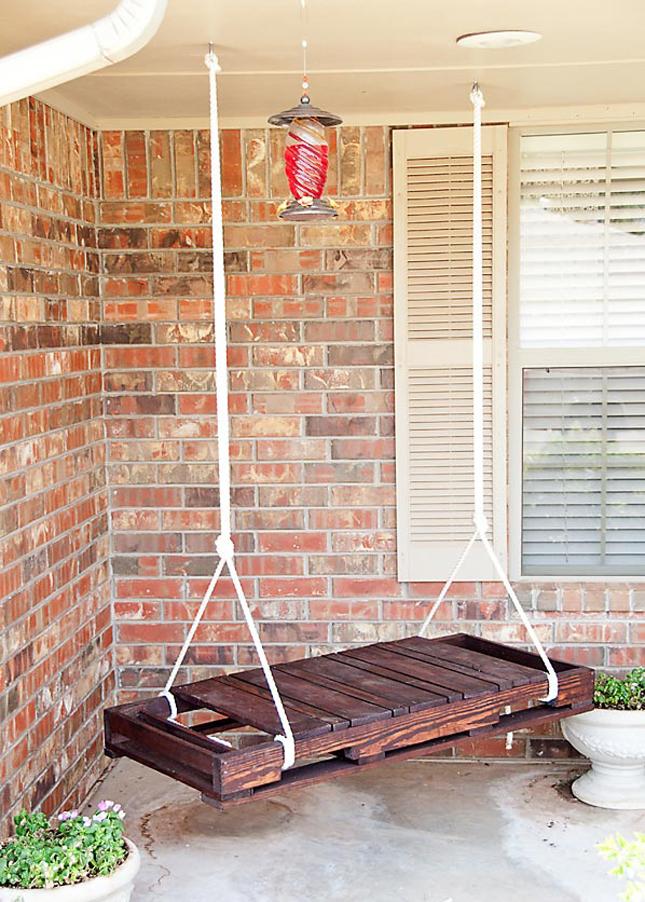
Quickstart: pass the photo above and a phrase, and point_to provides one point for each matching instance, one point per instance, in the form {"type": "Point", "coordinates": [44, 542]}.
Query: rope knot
{"type": "Point", "coordinates": [211, 60]}
{"type": "Point", "coordinates": [225, 548]}
{"type": "Point", "coordinates": [476, 96]}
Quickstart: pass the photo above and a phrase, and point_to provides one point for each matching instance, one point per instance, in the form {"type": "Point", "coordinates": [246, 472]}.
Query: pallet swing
{"type": "Point", "coordinates": [333, 714]}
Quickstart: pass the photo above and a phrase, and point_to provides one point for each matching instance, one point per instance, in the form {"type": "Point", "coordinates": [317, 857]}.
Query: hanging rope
{"type": "Point", "coordinates": [479, 517]}
{"type": "Point", "coordinates": [224, 544]}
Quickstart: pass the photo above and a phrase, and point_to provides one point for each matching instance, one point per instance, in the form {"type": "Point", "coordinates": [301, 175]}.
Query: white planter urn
{"type": "Point", "coordinates": [614, 741]}
{"type": "Point", "coordinates": [115, 888]}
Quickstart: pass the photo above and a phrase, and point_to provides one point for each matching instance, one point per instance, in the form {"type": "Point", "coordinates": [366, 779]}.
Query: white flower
{"type": "Point", "coordinates": [101, 816]}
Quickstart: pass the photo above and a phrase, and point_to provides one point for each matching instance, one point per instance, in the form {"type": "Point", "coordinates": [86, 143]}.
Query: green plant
{"type": "Point", "coordinates": [70, 849]}
{"type": "Point", "coordinates": [626, 694]}
{"type": "Point", "coordinates": [629, 856]}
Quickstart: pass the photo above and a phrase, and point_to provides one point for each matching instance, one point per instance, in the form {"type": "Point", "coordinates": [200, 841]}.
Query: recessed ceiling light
{"type": "Point", "coordinates": [498, 40]}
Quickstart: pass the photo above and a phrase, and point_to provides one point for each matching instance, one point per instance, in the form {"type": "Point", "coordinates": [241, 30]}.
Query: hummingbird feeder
{"type": "Point", "coordinates": [306, 155]}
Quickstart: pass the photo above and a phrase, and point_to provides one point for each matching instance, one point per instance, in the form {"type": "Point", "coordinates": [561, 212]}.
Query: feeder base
{"type": "Point", "coordinates": [318, 209]}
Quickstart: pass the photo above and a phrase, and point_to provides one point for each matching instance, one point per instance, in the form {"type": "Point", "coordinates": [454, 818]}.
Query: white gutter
{"type": "Point", "coordinates": [109, 40]}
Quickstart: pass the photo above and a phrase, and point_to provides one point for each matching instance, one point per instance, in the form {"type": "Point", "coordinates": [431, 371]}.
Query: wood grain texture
{"type": "Point", "coordinates": [387, 686]}
{"type": "Point", "coordinates": [344, 708]}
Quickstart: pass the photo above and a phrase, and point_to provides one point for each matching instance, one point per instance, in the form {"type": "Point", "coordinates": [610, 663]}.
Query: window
{"type": "Point", "coordinates": [433, 348]}
{"type": "Point", "coordinates": [577, 374]}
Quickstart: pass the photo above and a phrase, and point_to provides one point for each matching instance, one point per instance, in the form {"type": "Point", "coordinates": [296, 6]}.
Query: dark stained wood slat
{"type": "Point", "coordinates": [509, 653]}
{"type": "Point", "coordinates": [446, 695]}
{"type": "Point", "coordinates": [335, 723]}
{"type": "Point", "coordinates": [518, 673]}
{"type": "Point", "coordinates": [386, 688]}
{"type": "Point", "coordinates": [329, 769]}
{"type": "Point", "coordinates": [344, 709]}
{"type": "Point", "coordinates": [178, 729]}
{"type": "Point", "coordinates": [216, 726]}
{"type": "Point", "coordinates": [183, 750]}
{"type": "Point", "coordinates": [227, 697]}
{"type": "Point", "coordinates": [434, 675]}
{"type": "Point", "coordinates": [322, 676]}
{"type": "Point", "coordinates": [145, 752]}
{"type": "Point", "coordinates": [402, 647]}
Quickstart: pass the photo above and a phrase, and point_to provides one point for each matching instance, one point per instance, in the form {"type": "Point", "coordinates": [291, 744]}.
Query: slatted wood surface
{"type": "Point", "coordinates": [352, 708]}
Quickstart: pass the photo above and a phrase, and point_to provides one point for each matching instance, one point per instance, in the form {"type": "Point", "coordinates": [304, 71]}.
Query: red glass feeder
{"type": "Point", "coordinates": [306, 160]}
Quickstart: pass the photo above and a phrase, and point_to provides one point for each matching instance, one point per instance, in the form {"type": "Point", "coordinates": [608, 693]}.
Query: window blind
{"type": "Point", "coordinates": [583, 503]}
{"type": "Point", "coordinates": [582, 223]}
{"type": "Point", "coordinates": [433, 347]}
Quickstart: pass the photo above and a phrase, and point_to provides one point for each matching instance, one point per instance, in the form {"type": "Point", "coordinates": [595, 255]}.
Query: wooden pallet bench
{"type": "Point", "coordinates": [350, 709]}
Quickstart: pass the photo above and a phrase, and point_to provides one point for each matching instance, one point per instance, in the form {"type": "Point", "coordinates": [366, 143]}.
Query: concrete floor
{"type": "Point", "coordinates": [424, 831]}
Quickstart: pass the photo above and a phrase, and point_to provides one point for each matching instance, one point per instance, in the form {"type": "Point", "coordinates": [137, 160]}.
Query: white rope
{"type": "Point", "coordinates": [479, 518]}
{"type": "Point", "coordinates": [224, 544]}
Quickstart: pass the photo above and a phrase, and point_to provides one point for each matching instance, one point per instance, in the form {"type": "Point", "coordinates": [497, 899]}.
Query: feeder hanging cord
{"type": "Point", "coordinates": [224, 544]}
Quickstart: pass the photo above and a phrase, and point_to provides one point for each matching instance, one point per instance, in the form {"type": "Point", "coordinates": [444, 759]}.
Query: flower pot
{"type": "Point", "coordinates": [614, 741]}
{"type": "Point", "coordinates": [115, 888]}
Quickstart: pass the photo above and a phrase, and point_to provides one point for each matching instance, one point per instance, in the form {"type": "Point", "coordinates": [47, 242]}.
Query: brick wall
{"type": "Point", "coordinates": [311, 383]}
{"type": "Point", "coordinates": [55, 639]}
{"type": "Point", "coordinates": [310, 310]}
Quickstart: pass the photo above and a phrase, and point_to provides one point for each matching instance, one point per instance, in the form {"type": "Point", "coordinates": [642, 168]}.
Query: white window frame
{"type": "Point", "coordinates": [525, 358]}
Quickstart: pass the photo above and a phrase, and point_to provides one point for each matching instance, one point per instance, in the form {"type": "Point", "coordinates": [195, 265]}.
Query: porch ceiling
{"type": "Point", "coordinates": [370, 60]}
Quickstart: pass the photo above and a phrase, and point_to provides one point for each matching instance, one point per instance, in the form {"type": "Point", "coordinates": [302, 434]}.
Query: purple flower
{"type": "Point", "coordinates": [105, 805]}
{"type": "Point", "coordinates": [67, 815]}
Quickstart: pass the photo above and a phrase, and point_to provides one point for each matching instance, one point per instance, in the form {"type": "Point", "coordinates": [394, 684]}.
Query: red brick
{"type": "Point", "coordinates": [292, 588]}
{"type": "Point", "coordinates": [296, 541]}
{"type": "Point", "coordinates": [185, 164]}
{"type": "Point", "coordinates": [160, 164]}
{"type": "Point", "coordinates": [151, 632]}
{"type": "Point", "coordinates": [625, 656]}
{"type": "Point", "coordinates": [591, 633]}
{"type": "Point", "coordinates": [258, 285]}
{"type": "Point", "coordinates": [136, 164]}
{"type": "Point", "coordinates": [231, 158]}
{"type": "Point", "coordinates": [375, 588]}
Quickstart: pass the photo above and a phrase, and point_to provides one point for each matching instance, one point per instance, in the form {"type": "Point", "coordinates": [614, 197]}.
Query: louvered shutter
{"type": "Point", "coordinates": [433, 347]}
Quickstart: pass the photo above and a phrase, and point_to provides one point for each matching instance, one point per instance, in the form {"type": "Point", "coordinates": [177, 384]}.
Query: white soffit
{"type": "Point", "coordinates": [370, 60]}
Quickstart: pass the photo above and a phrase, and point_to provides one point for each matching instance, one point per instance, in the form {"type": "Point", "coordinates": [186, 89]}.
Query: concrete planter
{"type": "Point", "coordinates": [614, 741]}
{"type": "Point", "coordinates": [115, 888]}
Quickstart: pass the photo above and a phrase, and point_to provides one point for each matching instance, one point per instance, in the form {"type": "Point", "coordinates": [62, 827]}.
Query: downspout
{"type": "Point", "coordinates": [109, 40]}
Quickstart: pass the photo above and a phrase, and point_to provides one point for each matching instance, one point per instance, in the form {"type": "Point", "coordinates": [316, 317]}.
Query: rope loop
{"type": "Point", "coordinates": [289, 750]}
{"type": "Point", "coordinates": [172, 704]}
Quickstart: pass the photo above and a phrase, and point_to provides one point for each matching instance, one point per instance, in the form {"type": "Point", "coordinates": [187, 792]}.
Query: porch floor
{"type": "Point", "coordinates": [426, 831]}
